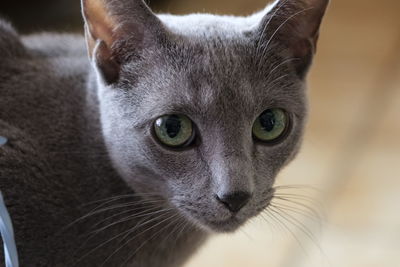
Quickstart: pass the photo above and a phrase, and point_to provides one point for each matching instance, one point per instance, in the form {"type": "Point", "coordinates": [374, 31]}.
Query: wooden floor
{"type": "Point", "coordinates": [351, 150]}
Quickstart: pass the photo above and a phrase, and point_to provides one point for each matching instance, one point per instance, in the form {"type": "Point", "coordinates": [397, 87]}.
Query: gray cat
{"type": "Point", "coordinates": [173, 128]}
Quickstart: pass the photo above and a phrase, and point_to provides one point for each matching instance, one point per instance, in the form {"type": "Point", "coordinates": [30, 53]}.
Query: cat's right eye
{"type": "Point", "coordinates": [174, 130]}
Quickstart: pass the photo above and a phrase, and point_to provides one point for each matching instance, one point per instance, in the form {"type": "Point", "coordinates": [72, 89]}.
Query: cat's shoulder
{"type": "Point", "coordinates": [53, 45]}
{"type": "Point", "coordinates": [40, 45]}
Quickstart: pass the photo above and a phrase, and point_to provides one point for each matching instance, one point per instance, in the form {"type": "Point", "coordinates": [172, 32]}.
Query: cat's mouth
{"type": "Point", "coordinates": [220, 220]}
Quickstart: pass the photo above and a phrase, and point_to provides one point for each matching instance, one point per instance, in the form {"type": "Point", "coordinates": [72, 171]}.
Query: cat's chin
{"type": "Point", "coordinates": [223, 226]}
{"type": "Point", "coordinates": [226, 226]}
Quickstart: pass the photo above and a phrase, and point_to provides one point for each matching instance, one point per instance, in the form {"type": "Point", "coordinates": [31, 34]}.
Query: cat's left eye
{"type": "Point", "coordinates": [174, 130]}
{"type": "Point", "coordinates": [271, 125]}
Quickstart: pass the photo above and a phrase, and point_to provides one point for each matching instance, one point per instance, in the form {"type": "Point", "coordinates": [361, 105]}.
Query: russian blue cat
{"type": "Point", "coordinates": [129, 146]}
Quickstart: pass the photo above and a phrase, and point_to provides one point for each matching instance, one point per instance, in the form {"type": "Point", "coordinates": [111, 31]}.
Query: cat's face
{"type": "Point", "coordinates": [205, 120]}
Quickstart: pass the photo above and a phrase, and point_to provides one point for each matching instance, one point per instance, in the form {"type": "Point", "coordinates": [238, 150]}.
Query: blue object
{"type": "Point", "coordinates": [3, 140]}
{"type": "Point", "coordinates": [7, 233]}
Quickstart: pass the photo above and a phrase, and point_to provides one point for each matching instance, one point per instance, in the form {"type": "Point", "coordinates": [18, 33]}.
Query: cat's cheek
{"type": "Point", "coordinates": [153, 164]}
{"type": "Point", "coordinates": [294, 142]}
{"type": "Point", "coordinates": [270, 160]}
{"type": "Point", "coordinates": [138, 171]}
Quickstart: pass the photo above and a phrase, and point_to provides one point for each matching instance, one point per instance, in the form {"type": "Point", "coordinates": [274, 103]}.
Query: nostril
{"type": "Point", "coordinates": [234, 201]}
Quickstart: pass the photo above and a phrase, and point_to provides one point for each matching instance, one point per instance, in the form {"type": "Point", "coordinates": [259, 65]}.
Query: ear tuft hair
{"type": "Point", "coordinates": [296, 24]}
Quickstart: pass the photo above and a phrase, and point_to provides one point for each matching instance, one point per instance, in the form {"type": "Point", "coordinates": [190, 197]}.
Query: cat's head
{"type": "Point", "coordinates": [203, 110]}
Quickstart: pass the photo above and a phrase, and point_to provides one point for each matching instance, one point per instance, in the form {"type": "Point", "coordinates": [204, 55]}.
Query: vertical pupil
{"type": "Point", "coordinates": [267, 120]}
{"type": "Point", "coordinates": [173, 126]}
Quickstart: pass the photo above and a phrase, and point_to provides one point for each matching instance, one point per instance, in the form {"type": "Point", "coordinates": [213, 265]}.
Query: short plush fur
{"type": "Point", "coordinates": [84, 179]}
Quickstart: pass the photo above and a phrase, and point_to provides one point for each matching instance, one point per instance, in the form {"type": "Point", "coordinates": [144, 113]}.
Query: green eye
{"type": "Point", "coordinates": [174, 130]}
{"type": "Point", "coordinates": [270, 125]}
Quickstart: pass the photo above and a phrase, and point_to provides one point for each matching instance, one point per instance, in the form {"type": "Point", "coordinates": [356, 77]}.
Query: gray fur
{"type": "Point", "coordinates": [74, 139]}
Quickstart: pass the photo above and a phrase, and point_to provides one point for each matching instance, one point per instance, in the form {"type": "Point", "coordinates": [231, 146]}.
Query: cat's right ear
{"type": "Point", "coordinates": [117, 31]}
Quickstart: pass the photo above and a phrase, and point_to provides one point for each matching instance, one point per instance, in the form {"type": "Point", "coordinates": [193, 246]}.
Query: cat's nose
{"type": "Point", "coordinates": [234, 201]}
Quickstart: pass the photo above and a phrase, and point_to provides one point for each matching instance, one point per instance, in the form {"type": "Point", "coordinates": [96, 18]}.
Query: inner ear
{"type": "Point", "coordinates": [106, 63]}
{"type": "Point", "coordinates": [99, 24]}
{"type": "Point", "coordinates": [116, 31]}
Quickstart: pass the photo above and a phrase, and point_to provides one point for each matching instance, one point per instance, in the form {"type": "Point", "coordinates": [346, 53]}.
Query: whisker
{"type": "Point", "coordinates": [298, 186]}
{"type": "Point", "coordinates": [246, 234]}
{"type": "Point", "coordinates": [269, 223]}
{"type": "Point", "coordinates": [299, 212]}
{"type": "Point", "coordinates": [306, 207]}
{"type": "Point", "coordinates": [176, 219]}
{"type": "Point", "coordinates": [98, 211]}
{"type": "Point", "coordinates": [307, 199]}
{"type": "Point", "coordinates": [135, 236]}
{"type": "Point", "coordinates": [133, 194]}
{"type": "Point", "coordinates": [275, 215]}
{"type": "Point", "coordinates": [291, 219]}
{"type": "Point", "coordinates": [185, 223]}
{"type": "Point", "coordinates": [92, 236]}
{"type": "Point", "coordinates": [130, 217]}
{"type": "Point", "coordinates": [277, 224]}
{"type": "Point", "coordinates": [304, 197]}
{"type": "Point", "coordinates": [307, 232]}
{"type": "Point", "coordinates": [124, 205]}
{"type": "Point", "coordinates": [120, 234]}
{"type": "Point", "coordinates": [147, 207]}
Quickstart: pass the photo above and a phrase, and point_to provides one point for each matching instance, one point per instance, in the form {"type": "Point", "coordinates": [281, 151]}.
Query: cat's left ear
{"type": "Point", "coordinates": [295, 25]}
{"type": "Point", "coordinates": [117, 31]}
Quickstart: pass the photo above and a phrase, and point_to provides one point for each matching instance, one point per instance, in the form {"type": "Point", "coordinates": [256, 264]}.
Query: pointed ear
{"type": "Point", "coordinates": [117, 30]}
{"type": "Point", "coordinates": [295, 24]}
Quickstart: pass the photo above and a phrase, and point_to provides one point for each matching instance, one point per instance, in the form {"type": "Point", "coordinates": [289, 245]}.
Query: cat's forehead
{"type": "Point", "coordinates": [214, 76]}
{"type": "Point", "coordinates": [202, 75]}
{"type": "Point", "coordinates": [228, 72]}
{"type": "Point", "coordinates": [208, 25]}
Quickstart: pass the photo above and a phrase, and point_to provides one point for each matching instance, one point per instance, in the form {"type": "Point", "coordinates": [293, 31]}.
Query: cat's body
{"type": "Point", "coordinates": [52, 168]}
{"type": "Point", "coordinates": [64, 179]}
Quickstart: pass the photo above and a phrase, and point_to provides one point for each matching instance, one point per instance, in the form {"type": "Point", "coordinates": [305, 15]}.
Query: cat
{"type": "Point", "coordinates": [131, 145]}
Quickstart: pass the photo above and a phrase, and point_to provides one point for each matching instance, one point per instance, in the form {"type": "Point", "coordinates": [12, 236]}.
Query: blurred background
{"type": "Point", "coordinates": [351, 152]}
